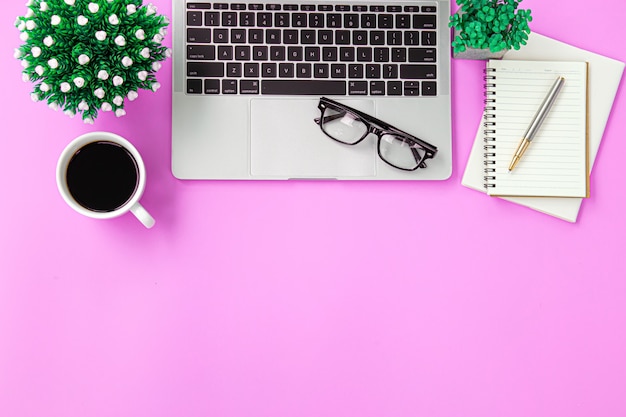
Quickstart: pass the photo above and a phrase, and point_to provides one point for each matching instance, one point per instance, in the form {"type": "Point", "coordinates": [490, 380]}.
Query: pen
{"type": "Point", "coordinates": [541, 114]}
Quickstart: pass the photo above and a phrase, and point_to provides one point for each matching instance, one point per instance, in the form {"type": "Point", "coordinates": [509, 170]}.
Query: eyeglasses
{"type": "Point", "coordinates": [350, 126]}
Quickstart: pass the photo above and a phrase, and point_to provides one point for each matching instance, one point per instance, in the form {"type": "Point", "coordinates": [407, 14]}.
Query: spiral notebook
{"type": "Point", "coordinates": [605, 75]}
{"type": "Point", "coordinates": [556, 162]}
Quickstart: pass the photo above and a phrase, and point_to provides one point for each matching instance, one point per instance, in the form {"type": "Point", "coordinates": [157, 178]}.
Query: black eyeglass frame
{"type": "Point", "coordinates": [379, 130]}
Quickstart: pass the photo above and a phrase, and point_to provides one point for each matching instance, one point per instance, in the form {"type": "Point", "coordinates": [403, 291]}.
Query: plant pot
{"type": "Point", "coordinates": [473, 53]}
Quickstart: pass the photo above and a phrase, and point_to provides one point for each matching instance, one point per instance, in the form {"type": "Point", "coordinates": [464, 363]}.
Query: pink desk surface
{"type": "Point", "coordinates": [303, 299]}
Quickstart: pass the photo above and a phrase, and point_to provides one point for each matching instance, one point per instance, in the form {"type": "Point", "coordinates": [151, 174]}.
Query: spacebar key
{"type": "Point", "coordinates": [303, 88]}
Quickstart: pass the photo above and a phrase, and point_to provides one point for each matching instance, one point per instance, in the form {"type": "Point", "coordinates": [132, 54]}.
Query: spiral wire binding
{"type": "Point", "coordinates": [490, 127]}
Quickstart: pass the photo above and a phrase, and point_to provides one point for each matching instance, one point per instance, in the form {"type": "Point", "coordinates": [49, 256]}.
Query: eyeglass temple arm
{"type": "Point", "coordinates": [329, 118]}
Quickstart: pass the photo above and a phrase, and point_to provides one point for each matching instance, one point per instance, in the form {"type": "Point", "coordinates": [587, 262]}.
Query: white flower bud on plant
{"type": "Point", "coordinates": [120, 112]}
{"type": "Point", "coordinates": [54, 106]}
{"type": "Point", "coordinates": [114, 20]}
{"type": "Point", "coordinates": [142, 75]}
{"type": "Point", "coordinates": [79, 82]}
{"type": "Point", "coordinates": [132, 95]}
{"type": "Point", "coordinates": [145, 53]}
{"type": "Point", "coordinates": [82, 20]}
{"type": "Point", "coordinates": [88, 121]}
{"type": "Point", "coordinates": [29, 13]}
{"type": "Point", "coordinates": [155, 86]}
{"type": "Point", "coordinates": [53, 63]}
{"type": "Point", "coordinates": [83, 106]}
{"type": "Point", "coordinates": [120, 40]}
{"type": "Point", "coordinates": [44, 87]}
{"type": "Point", "coordinates": [118, 100]}
{"type": "Point", "coordinates": [93, 7]}
{"type": "Point", "coordinates": [127, 62]}
{"type": "Point", "coordinates": [106, 107]}
{"type": "Point", "coordinates": [83, 59]}
{"type": "Point", "coordinates": [99, 92]}
{"type": "Point", "coordinates": [101, 35]}
{"type": "Point", "coordinates": [140, 34]}
{"type": "Point", "coordinates": [43, 6]}
{"type": "Point", "coordinates": [39, 70]}
{"type": "Point", "coordinates": [131, 9]}
{"type": "Point", "coordinates": [48, 41]}
{"type": "Point", "coordinates": [36, 51]}
{"type": "Point", "coordinates": [117, 81]}
{"type": "Point", "coordinates": [150, 9]}
{"type": "Point", "coordinates": [70, 2]}
{"type": "Point", "coordinates": [17, 53]}
{"type": "Point", "coordinates": [156, 66]}
{"type": "Point", "coordinates": [30, 24]}
{"type": "Point", "coordinates": [34, 97]}
{"type": "Point", "coordinates": [24, 36]}
{"type": "Point", "coordinates": [69, 113]}
{"type": "Point", "coordinates": [55, 20]}
{"type": "Point", "coordinates": [65, 87]}
{"type": "Point", "coordinates": [103, 75]}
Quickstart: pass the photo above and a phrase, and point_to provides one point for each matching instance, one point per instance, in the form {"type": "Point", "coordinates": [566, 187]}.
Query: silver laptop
{"type": "Point", "coordinates": [248, 78]}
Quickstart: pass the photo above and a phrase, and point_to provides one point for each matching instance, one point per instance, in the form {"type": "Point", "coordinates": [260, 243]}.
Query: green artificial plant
{"type": "Point", "coordinates": [86, 56]}
{"type": "Point", "coordinates": [490, 24]}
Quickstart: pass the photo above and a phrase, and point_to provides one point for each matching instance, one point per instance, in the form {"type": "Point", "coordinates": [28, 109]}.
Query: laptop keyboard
{"type": "Point", "coordinates": [311, 49]}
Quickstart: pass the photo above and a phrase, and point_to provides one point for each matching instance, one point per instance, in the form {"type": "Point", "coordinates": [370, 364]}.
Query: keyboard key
{"type": "Point", "coordinates": [198, 6]}
{"type": "Point", "coordinates": [195, 35]}
{"type": "Point", "coordinates": [324, 7]}
{"type": "Point", "coordinates": [272, 7]}
{"type": "Point", "coordinates": [422, 55]}
{"type": "Point", "coordinates": [398, 54]}
{"type": "Point", "coordinates": [220, 6]}
{"type": "Point", "coordinates": [316, 20]}
{"type": "Point", "coordinates": [303, 87]}
{"type": "Point", "coordinates": [220, 35]}
{"type": "Point", "coordinates": [333, 20]}
{"type": "Point", "coordinates": [342, 37]}
{"type": "Point", "coordinates": [211, 86]}
{"type": "Point", "coordinates": [329, 53]}
{"type": "Point", "coordinates": [264, 19]}
{"type": "Point", "coordinates": [286, 70]}
{"type": "Point", "coordinates": [403, 21]}
{"type": "Point", "coordinates": [229, 19]}
{"type": "Point", "coordinates": [346, 53]}
{"type": "Point", "coordinates": [359, 8]}
{"type": "Point", "coordinates": [298, 20]}
{"type": "Point", "coordinates": [194, 18]}
{"type": "Point", "coordinates": [364, 54]}
{"type": "Point", "coordinates": [268, 70]}
{"type": "Point", "coordinates": [342, 8]}
{"type": "Point", "coordinates": [359, 37]}
{"type": "Point", "coordinates": [424, 21]}
{"type": "Point", "coordinates": [225, 53]}
{"type": "Point", "coordinates": [377, 88]}
{"type": "Point", "coordinates": [307, 7]}
{"type": "Point", "coordinates": [255, 35]}
{"type": "Point", "coordinates": [303, 70]}
{"type": "Point", "coordinates": [368, 21]}
{"type": "Point", "coordinates": [411, 9]}
{"type": "Point", "coordinates": [211, 19]}
{"type": "Point", "coordinates": [394, 9]}
{"type": "Point", "coordinates": [338, 70]}
{"type": "Point", "coordinates": [251, 69]}
{"type": "Point", "coordinates": [255, 6]}
{"type": "Point", "coordinates": [429, 88]}
{"type": "Point", "coordinates": [385, 21]}
{"type": "Point", "coordinates": [237, 6]}
{"type": "Point", "coordinates": [290, 36]}
{"type": "Point", "coordinates": [394, 37]}
{"type": "Point", "coordinates": [238, 35]}
{"type": "Point", "coordinates": [307, 37]}
{"type": "Point", "coordinates": [281, 20]}
{"type": "Point", "coordinates": [411, 37]}
{"type": "Point", "coordinates": [429, 9]}
{"type": "Point", "coordinates": [417, 72]}
{"type": "Point", "coordinates": [372, 71]}
{"type": "Point", "coordinates": [390, 71]}
{"type": "Point", "coordinates": [259, 53]}
{"type": "Point", "coordinates": [205, 69]}
{"type": "Point", "coordinates": [277, 53]}
{"type": "Point", "coordinates": [351, 21]}
{"type": "Point", "coordinates": [320, 71]}
{"type": "Point", "coordinates": [381, 54]}
{"type": "Point", "coordinates": [294, 53]}
{"type": "Point", "coordinates": [247, 18]}
{"type": "Point", "coordinates": [377, 9]}
{"type": "Point", "coordinates": [249, 86]}
{"type": "Point", "coordinates": [194, 86]}
{"type": "Point", "coordinates": [429, 38]}
{"type": "Point", "coordinates": [242, 53]}
{"type": "Point", "coordinates": [201, 52]}
{"type": "Point", "coordinates": [325, 37]}
{"type": "Point", "coordinates": [411, 88]}
{"type": "Point", "coordinates": [233, 69]}
{"type": "Point", "coordinates": [355, 70]}
{"type": "Point", "coordinates": [394, 88]}
{"type": "Point", "coordinates": [290, 7]}
{"type": "Point", "coordinates": [312, 53]}
{"type": "Point", "coordinates": [357, 88]}
{"type": "Point", "coordinates": [377, 37]}
{"type": "Point", "coordinates": [229, 86]}
{"type": "Point", "coordinates": [272, 36]}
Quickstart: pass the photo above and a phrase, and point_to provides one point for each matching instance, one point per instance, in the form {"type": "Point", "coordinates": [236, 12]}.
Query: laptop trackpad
{"type": "Point", "coordinates": [285, 142]}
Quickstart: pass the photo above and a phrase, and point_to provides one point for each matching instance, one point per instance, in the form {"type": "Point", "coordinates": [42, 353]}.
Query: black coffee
{"type": "Point", "coordinates": [102, 176]}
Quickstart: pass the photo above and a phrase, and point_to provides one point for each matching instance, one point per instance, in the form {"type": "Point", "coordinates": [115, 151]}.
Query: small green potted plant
{"type": "Point", "coordinates": [91, 56]}
{"type": "Point", "coordinates": [485, 29]}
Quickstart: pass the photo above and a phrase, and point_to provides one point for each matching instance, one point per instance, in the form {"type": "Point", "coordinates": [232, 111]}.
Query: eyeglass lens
{"type": "Point", "coordinates": [346, 127]}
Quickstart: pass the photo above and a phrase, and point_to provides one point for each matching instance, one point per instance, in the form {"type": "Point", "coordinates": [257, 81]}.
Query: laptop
{"type": "Point", "coordinates": [248, 78]}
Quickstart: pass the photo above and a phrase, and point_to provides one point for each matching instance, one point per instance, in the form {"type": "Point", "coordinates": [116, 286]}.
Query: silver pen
{"type": "Point", "coordinates": [537, 121]}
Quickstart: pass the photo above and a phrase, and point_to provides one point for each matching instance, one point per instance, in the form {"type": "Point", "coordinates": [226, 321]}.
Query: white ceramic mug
{"type": "Point", "coordinates": [131, 204]}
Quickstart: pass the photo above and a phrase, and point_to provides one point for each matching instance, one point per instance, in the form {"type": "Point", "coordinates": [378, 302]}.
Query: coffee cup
{"type": "Point", "coordinates": [102, 175]}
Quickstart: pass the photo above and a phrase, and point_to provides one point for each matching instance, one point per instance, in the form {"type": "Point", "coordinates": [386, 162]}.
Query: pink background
{"type": "Point", "coordinates": [308, 298]}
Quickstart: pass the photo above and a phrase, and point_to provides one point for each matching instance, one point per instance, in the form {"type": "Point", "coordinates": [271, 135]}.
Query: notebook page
{"type": "Point", "coordinates": [555, 163]}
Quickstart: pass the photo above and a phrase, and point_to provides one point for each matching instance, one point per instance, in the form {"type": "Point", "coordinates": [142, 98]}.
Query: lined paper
{"type": "Point", "coordinates": [555, 164]}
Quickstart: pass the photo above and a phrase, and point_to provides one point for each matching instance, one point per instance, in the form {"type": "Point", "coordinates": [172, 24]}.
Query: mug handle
{"type": "Point", "coordinates": [142, 215]}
